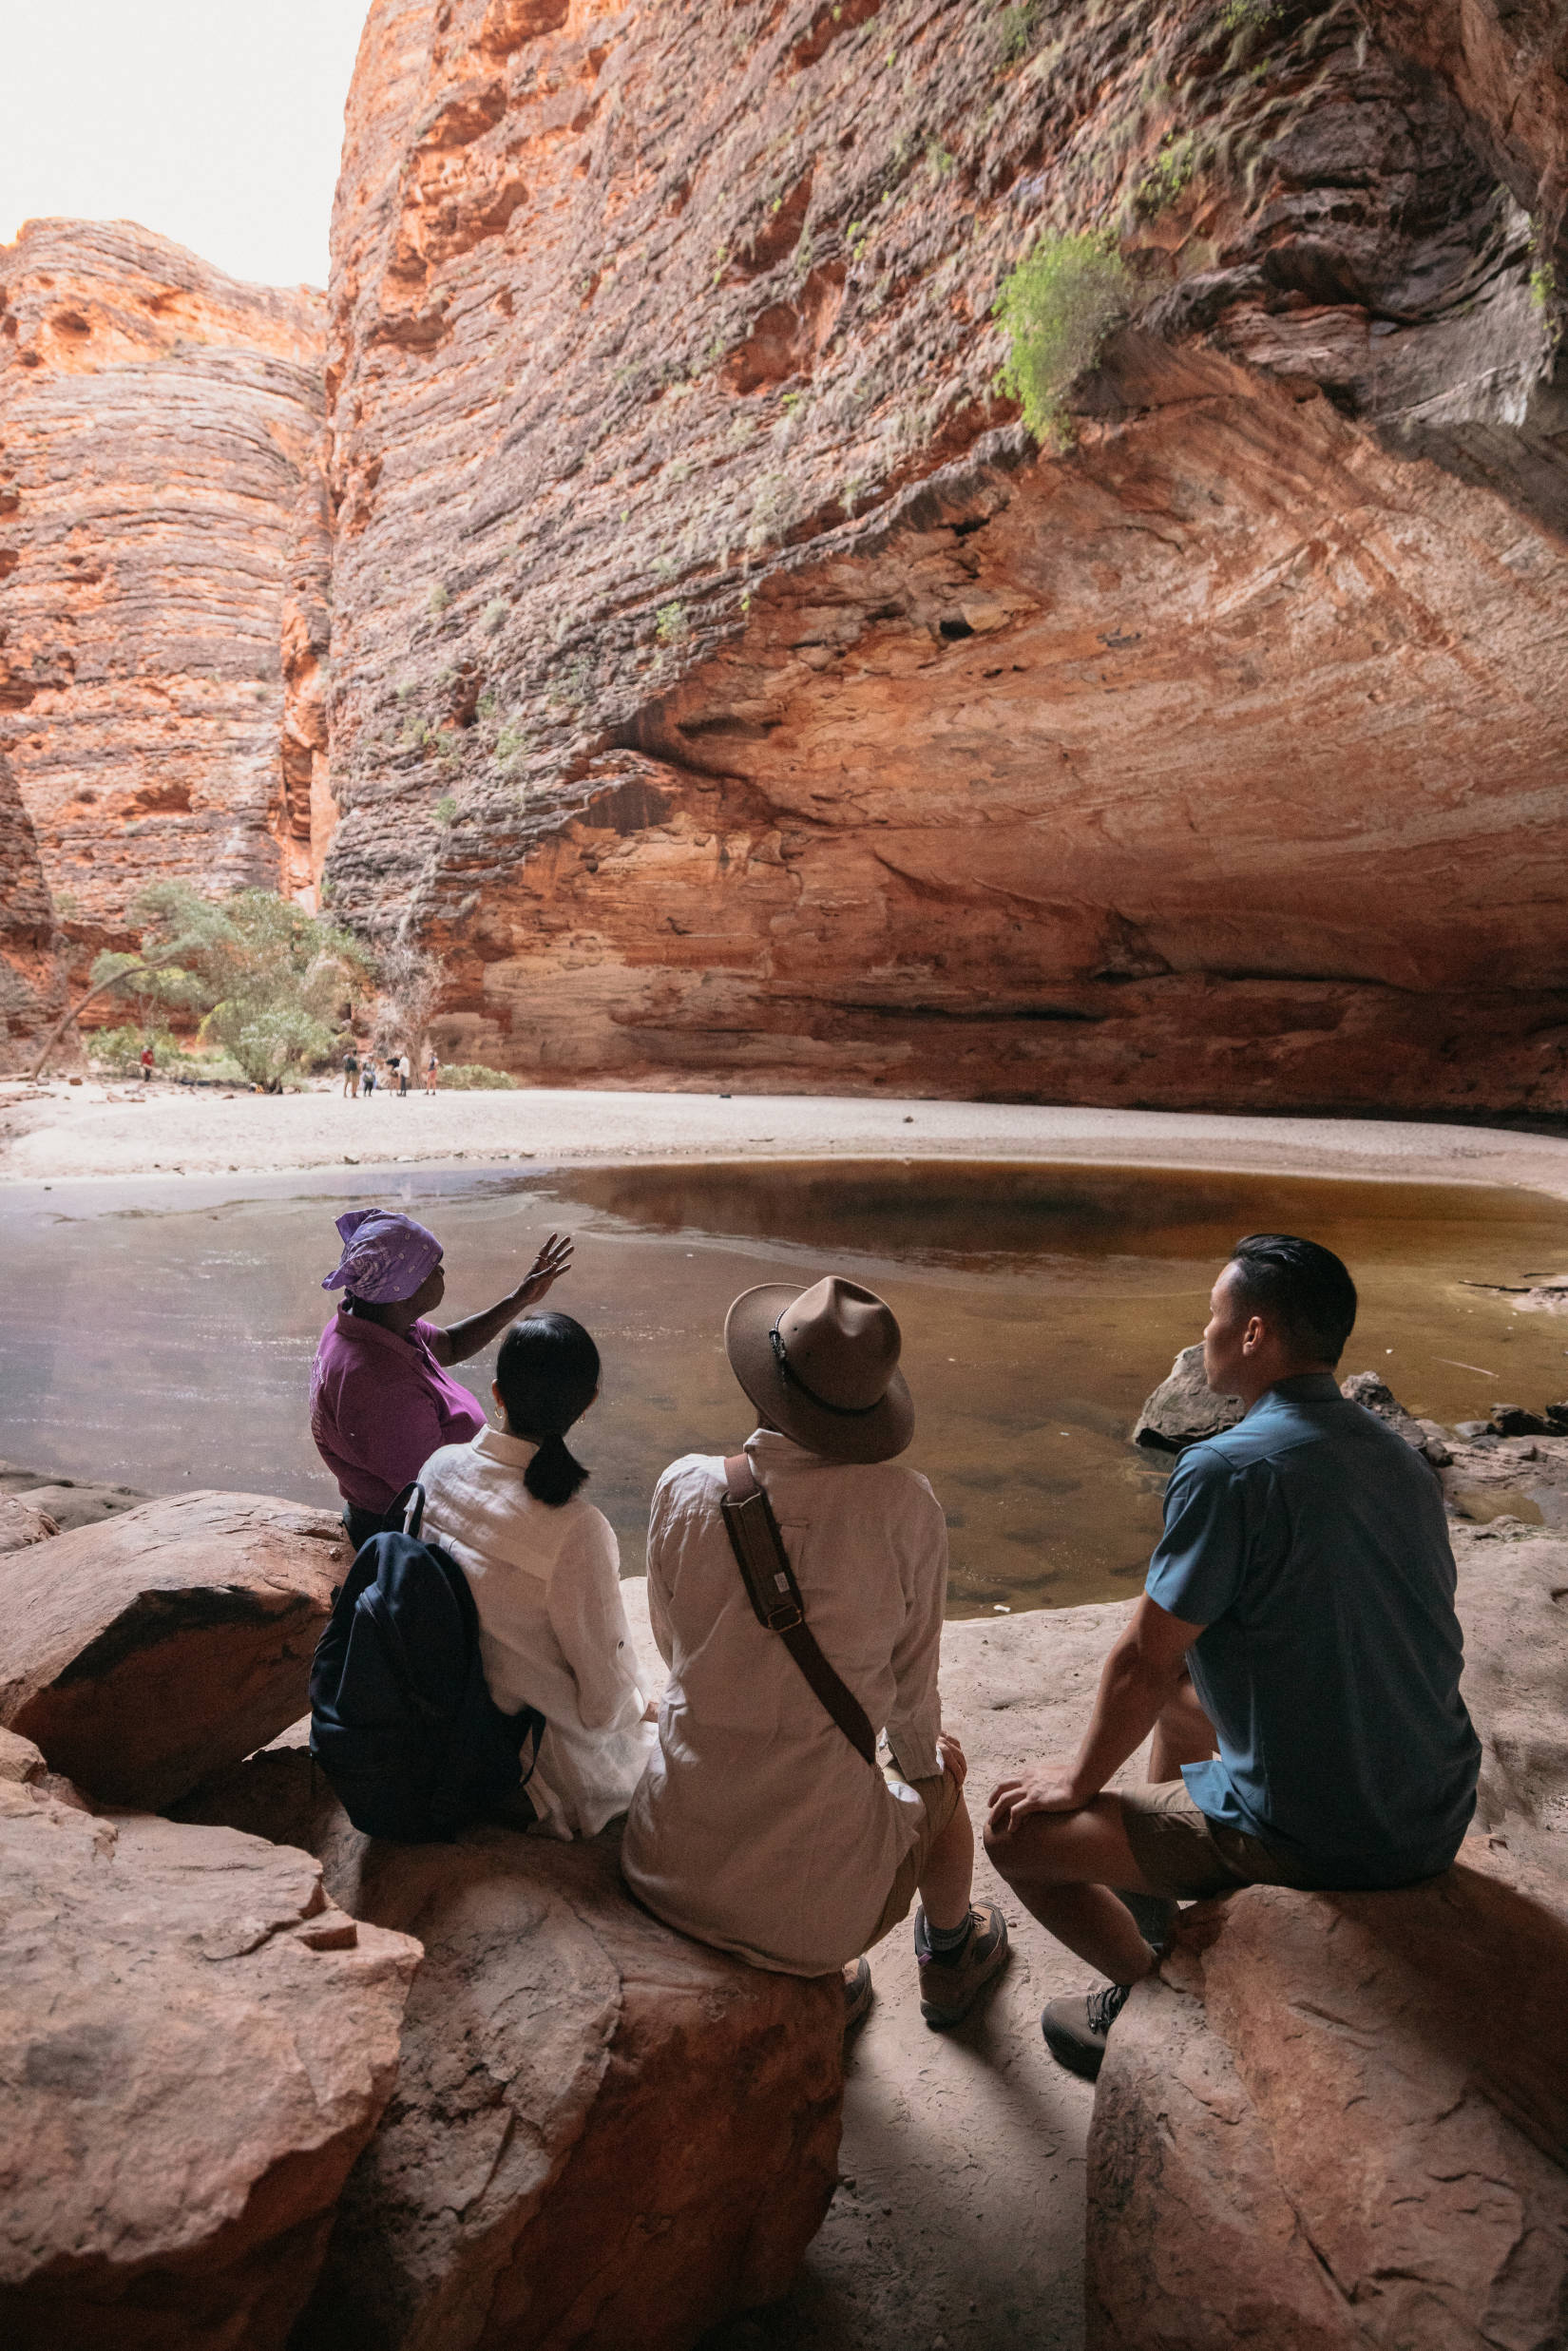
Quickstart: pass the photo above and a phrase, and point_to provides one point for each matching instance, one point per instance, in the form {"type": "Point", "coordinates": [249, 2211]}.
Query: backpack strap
{"type": "Point", "coordinates": [774, 1596]}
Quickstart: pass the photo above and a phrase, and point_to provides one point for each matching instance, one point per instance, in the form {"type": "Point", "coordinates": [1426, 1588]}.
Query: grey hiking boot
{"type": "Point", "coordinates": [1076, 2030]}
{"type": "Point", "coordinates": [950, 1988]}
{"type": "Point", "coordinates": [857, 1993]}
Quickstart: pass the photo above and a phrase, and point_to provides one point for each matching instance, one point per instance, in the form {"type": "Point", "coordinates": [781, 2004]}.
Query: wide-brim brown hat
{"type": "Point", "coordinates": [822, 1365]}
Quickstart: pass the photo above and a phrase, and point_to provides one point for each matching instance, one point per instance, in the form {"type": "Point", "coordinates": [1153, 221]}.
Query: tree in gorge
{"type": "Point", "coordinates": [271, 981]}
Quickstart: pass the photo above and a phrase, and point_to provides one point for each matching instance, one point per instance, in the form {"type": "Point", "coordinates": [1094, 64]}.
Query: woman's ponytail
{"type": "Point", "coordinates": [554, 1474]}
{"type": "Point", "coordinates": [547, 1373]}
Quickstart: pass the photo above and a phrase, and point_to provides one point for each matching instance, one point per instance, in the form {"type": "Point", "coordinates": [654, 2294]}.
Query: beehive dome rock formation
{"type": "Point", "coordinates": [164, 558]}
{"type": "Point", "coordinates": [726, 682]}
{"type": "Point", "coordinates": [32, 993]}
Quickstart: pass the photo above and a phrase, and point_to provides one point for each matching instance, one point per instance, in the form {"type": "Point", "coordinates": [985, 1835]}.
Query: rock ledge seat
{"type": "Point", "coordinates": [601, 2134]}
{"type": "Point", "coordinates": [1342, 2123]}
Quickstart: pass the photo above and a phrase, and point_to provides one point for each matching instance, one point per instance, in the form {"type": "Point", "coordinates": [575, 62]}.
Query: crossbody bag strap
{"type": "Point", "coordinates": [774, 1596]}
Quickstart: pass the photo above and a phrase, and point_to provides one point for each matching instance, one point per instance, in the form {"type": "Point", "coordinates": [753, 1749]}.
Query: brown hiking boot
{"type": "Point", "coordinates": [857, 1993]}
{"type": "Point", "coordinates": [950, 1988]}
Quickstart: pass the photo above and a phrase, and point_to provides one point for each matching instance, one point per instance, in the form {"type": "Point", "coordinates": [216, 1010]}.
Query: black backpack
{"type": "Point", "coordinates": [401, 1721]}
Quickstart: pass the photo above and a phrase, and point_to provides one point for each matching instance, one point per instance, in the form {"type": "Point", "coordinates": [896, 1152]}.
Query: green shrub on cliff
{"type": "Point", "coordinates": [1057, 308]}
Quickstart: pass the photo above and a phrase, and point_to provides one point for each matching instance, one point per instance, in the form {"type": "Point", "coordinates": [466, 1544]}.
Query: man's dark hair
{"type": "Point", "coordinates": [1300, 1285]}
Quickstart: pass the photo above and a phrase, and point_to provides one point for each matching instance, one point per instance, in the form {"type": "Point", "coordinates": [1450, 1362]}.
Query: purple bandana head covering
{"type": "Point", "coordinates": [384, 1258]}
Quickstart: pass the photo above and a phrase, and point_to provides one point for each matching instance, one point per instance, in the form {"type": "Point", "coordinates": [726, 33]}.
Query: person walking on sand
{"type": "Point", "coordinates": [432, 1073]}
{"type": "Point", "coordinates": [1306, 1582]}
{"type": "Point", "coordinates": [148, 1063]}
{"type": "Point", "coordinates": [351, 1072]}
{"type": "Point", "coordinates": [405, 1071]}
{"type": "Point", "coordinates": [764, 1824]}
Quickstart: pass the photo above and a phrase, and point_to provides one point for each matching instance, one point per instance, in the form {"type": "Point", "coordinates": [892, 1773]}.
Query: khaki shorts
{"type": "Point", "coordinates": [939, 1799]}
{"type": "Point", "coordinates": [1184, 1854]}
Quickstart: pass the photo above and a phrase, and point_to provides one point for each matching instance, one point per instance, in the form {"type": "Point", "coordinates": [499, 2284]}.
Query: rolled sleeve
{"type": "Point", "coordinates": [914, 1719]}
{"type": "Point", "coordinates": [1198, 1566]}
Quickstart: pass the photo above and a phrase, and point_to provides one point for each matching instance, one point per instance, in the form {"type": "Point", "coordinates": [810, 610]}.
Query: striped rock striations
{"type": "Point", "coordinates": [33, 988]}
{"type": "Point", "coordinates": [164, 569]}
{"type": "Point", "coordinates": [725, 681]}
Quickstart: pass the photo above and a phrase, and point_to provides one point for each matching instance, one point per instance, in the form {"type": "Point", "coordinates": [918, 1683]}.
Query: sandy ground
{"type": "Point", "coordinates": [62, 1131]}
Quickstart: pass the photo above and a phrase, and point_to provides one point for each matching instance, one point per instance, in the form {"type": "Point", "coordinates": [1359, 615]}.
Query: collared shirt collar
{"type": "Point", "coordinates": [498, 1445]}
{"type": "Point", "coordinates": [1307, 1388]}
{"type": "Point", "coordinates": [774, 1446]}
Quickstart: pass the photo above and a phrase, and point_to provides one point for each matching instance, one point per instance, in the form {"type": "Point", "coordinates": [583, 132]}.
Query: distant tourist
{"type": "Point", "coordinates": [147, 1064]}
{"type": "Point", "coordinates": [1305, 1579]}
{"type": "Point", "coordinates": [432, 1073]}
{"type": "Point", "coordinates": [765, 1824]}
{"type": "Point", "coordinates": [405, 1071]}
{"type": "Point", "coordinates": [351, 1072]}
{"type": "Point", "coordinates": [545, 1575]}
{"type": "Point", "coordinates": [368, 1086]}
{"type": "Point", "coordinates": [381, 1402]}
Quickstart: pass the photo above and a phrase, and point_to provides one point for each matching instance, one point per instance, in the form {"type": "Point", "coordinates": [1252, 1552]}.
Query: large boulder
{"type": "Point", "coordinates": [1374, 1395]}
{"type": "Point", "coordinates": [70, 1503]}
{"type": "Point", "coordinates": [23, 1522]}
{"type": "Point", "coordinates": [1183, 1408]}
{"type": "Point", "coordinates": [1513, 1587]}
{"type": "Point", "coordinates": [603, 2133]}
{"type": "Point", "coordinates": [195, 2045]}
{"type": "Point", "coordinates": [145, 1651]}
{"type": "Point", "coordinates": [1342, 2123]}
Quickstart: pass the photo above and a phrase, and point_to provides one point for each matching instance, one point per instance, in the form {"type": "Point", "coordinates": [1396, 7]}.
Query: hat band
{"type": "Point", "coordinates": [843, 1412]}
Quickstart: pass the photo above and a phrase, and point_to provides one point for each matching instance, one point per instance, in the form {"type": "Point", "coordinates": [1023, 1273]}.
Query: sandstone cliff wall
{"type": "Point", "coordinates": [32, 989]}
{"type": "Point", "coordinates": [724, 682]}
{"type": "Point", "coordinates": [163, 565]}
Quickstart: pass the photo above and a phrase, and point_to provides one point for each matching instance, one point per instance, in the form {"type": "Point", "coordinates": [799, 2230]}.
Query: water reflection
{"type": "Point", "coordinates": [160, 1333]}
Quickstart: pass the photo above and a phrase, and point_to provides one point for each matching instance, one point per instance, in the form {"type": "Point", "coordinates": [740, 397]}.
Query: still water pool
{"type": "Point", "coordinates": [159, 1334]}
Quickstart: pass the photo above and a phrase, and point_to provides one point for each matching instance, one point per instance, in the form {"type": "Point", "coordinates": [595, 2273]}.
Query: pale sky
{"type": "Point", "coordinates": [217, 123]}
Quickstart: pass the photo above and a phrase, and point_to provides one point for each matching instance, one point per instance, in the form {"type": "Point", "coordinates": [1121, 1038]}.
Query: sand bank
{"type": "Point", "coordinates": [61, 1130]}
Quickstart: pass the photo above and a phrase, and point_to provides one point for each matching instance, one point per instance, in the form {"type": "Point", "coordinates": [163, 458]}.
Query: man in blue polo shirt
{"type": "Point", "coordinates": [1298, 1613]}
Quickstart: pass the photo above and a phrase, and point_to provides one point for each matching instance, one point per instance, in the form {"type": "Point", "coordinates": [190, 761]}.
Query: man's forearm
{"type": "Point", "coordinates": [1126, 1708]}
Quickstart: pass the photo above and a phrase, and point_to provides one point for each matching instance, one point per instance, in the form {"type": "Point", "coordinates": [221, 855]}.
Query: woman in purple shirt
{"type": "Point", "coordinates": [381, 1402]}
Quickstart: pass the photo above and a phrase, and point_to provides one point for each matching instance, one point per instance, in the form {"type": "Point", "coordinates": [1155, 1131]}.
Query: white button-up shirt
{"type": "Point", "coordinates": [758, 1827]}
{"type": "Point", "coordinates": [552, 1629]}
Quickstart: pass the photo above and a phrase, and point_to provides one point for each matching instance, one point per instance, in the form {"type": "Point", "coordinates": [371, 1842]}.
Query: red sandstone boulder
{"type": "Point", "coordinates": [23, 1522]}
{"type": "Point", "coordinates": [1183, 1408]}
{"type": "Point", "coordinates": [1342, 2124]}
{"type": "Point", "coordinates": [604, 2134]}
{"type": "Point", "coordinates": [194, 2047]}
{"type": "Point", "coordinates": [145, 1651]}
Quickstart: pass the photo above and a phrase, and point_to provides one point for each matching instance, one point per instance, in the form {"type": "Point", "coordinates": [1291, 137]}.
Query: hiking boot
{"type": "Point", "coordinates": [1076, 2030]}
{"type": "Point", "coordinates": [950, 1988]}
{"type": "Point", "coordinates": [857, 1993]}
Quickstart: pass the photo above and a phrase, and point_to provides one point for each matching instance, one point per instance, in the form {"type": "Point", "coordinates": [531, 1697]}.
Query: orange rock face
{"type": "Point", "coordinates": [162, 569]}
{"type": "Point", "coordinates": [32, 983]}
{"type": "Point", "coordinates": [730, 686]}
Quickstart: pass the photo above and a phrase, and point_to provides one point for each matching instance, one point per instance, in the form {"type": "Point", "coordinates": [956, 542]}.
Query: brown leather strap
{"type": "Point", "coordinates": [774, 1596]}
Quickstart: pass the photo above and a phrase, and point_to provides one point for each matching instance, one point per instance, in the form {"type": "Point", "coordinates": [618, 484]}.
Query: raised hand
{"type": "Point", "coordinates": [552, 1261]}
